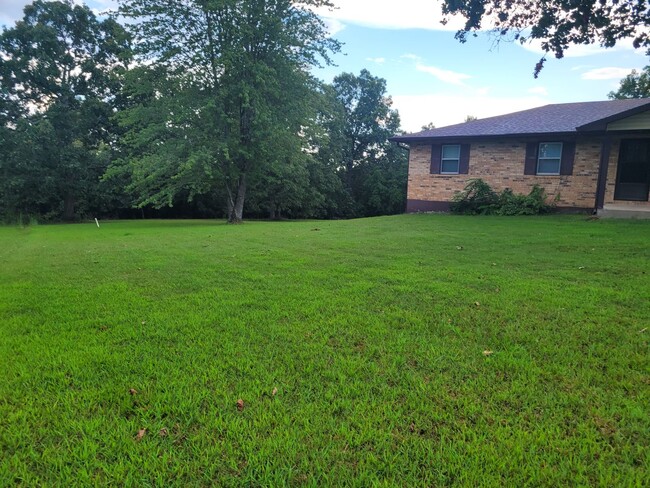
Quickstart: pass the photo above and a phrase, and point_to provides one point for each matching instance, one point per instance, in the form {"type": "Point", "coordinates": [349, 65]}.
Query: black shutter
{"type": "Point", "coordinates": [436, 154]}
{"type": "Point", "coordinates": [463, 167]}
{"type": "Point", "coordinates": [568, 156]}
{"type": "Point", "coordinates": [530, 165]}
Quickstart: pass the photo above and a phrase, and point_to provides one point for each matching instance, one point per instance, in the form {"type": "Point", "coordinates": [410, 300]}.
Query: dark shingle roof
{"type": "Point", "coordinates": [556, 118]}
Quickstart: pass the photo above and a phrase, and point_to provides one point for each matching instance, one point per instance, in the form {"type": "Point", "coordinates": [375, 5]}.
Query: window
{"type": "Point", "coordinates": [450, 161]}
{"type": "Point", "coordinates": [549, 158]}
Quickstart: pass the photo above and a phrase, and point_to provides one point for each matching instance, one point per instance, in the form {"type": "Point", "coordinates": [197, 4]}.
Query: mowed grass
{"type": "Point", "coordinates": [357, 347]}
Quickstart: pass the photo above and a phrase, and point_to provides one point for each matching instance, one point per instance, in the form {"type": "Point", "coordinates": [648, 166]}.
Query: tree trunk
{"type": "Point", "coordinates": [68, 207]}
{"type": "Point", "coordinates": [236, 208]}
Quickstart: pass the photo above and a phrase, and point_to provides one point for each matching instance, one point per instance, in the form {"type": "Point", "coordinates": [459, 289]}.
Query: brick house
{"type": "Point", "coordinates": [592, 156]}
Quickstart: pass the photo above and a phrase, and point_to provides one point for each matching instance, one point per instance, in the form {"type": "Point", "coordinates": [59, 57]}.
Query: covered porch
{"type": "Point", "coordinates": [624, 178]}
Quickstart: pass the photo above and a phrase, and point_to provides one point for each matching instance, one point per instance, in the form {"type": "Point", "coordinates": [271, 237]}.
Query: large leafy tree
{"type": "Point", "coordinates": [58, 76]}
{"type": "Point", "coordinates": [556, 23]}
{"type": "Point", "coordinates": [236, 92]}
{"type": "Point", "coordinates": [373, 169]}
{"type": "Point", "coordinates": [634, 85]}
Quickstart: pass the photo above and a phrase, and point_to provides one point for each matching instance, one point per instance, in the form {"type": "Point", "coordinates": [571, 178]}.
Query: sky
{"type": "Point", "coordinates": [433, 78]}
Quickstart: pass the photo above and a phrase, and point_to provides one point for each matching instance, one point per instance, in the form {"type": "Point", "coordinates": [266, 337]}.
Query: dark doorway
{"type": "Point", "coordinates": [633, 175]}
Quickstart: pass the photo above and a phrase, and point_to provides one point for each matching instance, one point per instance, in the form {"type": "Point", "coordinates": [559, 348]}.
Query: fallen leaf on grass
{"type": "Point", "coordinates": [274, 392]}
{"type": "Point", "coordinates": [240, 404]}
{"type": "Point", "coordinates": [460, 248]}
{"type": "Point", "coordinates": [643, 330]}
{"type": "Point", "coordinates": [163, 432]}
{"type": "Point", "coordinates": [581, 267]}
{"type": "Point", "coordinates": [478, 304]}
{"type": "Point", "coordinates": [140, 435]}
{"type": "Point", "coordinates": [487, 352]}
{"type": "Point", "coordinates": [133, 392]}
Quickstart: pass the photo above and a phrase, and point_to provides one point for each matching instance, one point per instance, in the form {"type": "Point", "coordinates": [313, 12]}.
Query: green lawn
{"type": "Point", "coordinates": [357, 347]}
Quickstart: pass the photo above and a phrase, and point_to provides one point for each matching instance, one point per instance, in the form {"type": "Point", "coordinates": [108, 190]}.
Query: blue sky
{"type": "Point", "coordinates": [431, 77]}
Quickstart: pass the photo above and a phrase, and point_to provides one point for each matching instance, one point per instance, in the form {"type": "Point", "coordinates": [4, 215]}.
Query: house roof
{"type": "Point", "coordinates": [562, 118]}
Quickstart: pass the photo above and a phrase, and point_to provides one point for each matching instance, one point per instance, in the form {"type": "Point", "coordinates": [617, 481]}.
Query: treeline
{"type": "Point", "coordinates": [189, 108]}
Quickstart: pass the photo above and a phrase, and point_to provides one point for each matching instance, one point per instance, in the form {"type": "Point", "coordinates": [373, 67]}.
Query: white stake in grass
{"type": "Point", "coordinates": [97, 222]}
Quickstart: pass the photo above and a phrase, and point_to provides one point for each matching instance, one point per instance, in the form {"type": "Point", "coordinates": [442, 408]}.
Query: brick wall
{"type": "Point", "coordinates": [501, 164]}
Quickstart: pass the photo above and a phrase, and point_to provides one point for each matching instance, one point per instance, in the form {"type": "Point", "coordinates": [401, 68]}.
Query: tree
{"type": "Point", "coordinates": [471, 118]}
{"type": "Point", "coordinates": [556, 23]}
{"type": "Point", "coordinates": [241, 68]}
{"type": "Point", "coordinates": [368, 121]}
{"type": "Point", "coordinates": [57, 72]}
{"type": "Point", "coordinates": [429, 126]}
{"type": "Point", "coordinates": [634, 85]}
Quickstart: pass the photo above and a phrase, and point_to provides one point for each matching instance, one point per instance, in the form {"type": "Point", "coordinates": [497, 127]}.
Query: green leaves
{"type": "Point", "coordinates": [241, 70]}
{"type": "Point", "coordinates": [59, 84]}
{"type": "Point", "coordinates": [558, 24]}
{"type": "Point", "coordinates": [634, 85]}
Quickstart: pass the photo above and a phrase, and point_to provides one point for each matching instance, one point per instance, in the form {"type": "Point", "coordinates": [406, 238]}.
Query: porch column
{"type": "Point", "coordinates": [602, 172]}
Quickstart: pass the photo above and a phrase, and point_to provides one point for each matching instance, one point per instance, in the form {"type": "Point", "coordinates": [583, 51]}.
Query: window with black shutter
{"type": "Point", "coordinates": [552, 158]}
{"type": "Point", "coordinates": [450, 159]}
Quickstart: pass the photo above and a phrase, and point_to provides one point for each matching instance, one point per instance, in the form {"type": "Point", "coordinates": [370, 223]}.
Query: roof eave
{"type": "Point", "coordinates": [529, 135]}
{"type": "Point", "coordinates": [601, 125]}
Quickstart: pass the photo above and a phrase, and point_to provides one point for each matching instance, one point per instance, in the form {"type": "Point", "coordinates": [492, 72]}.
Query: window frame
{"type": "Point", "coordinates": [443, 159]}
{"type": "Point", "coordinates": [540, 158]}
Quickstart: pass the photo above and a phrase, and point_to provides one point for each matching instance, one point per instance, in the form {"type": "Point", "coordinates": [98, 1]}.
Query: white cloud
{"type": "Point", "coordinates": [376, 60]}
{"type": "Point", "coordinates": [386, 14]}
{"type": "Point", "coordinates": [538, 90]}
{"type": "Point", "coordinates": [581, 67]}
{"type": "Point", "coordinates": [446, 109]}
{"type": "Point", "coordinates": [12, 10]}
{"type": "Point", "coordinates": [606, 74]}
{"type": "Point", "coordinates": [443, 75]}
{"type": "Point", "coordinates": [582, 50]}
{"type": "Point", "coordinates": [334, 26]}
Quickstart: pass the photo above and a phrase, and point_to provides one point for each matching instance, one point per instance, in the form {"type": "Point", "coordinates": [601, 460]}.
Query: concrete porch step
{"type": "Point", "coordinates": [624, 212]}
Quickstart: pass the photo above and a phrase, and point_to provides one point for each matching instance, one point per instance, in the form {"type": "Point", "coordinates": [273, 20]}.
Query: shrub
{"type": "Point", "coordinates": [479, 198]}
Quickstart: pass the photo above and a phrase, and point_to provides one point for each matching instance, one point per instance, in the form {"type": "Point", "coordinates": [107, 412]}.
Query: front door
{"type": "Point", "coordinates": [633, 175]}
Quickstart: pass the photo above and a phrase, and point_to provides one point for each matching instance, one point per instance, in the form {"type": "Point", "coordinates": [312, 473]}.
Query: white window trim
{"type": "Point", "coordinates": [559, 168]}
{"type": "Point", "coordinates": [442, 160]}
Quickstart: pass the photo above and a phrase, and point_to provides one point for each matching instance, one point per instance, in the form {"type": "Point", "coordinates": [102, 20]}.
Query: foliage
{"type": "Point", "coordinates": [58, 71]}
{"type": "Point", "coordinates": [534, 203]}
{"type": "Point", "coordinates": [372, 331]}
{"type": "Point", "coordinates": [478, 198]}
{"type": "Point", "coordinates": [369, 119]}
{"type": "Point", "coordinates": [218, 107]}
{"type": "Point", "coordinates": [380, 186]}
{"type": "Point", "coordinates": [634, 85]}
{"type": "Point", "coordinates": [556, 23]}
{"type": "Point", "coordinates": [245, 64]}
{"type": "Point", "coordinates": [366, 154]}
